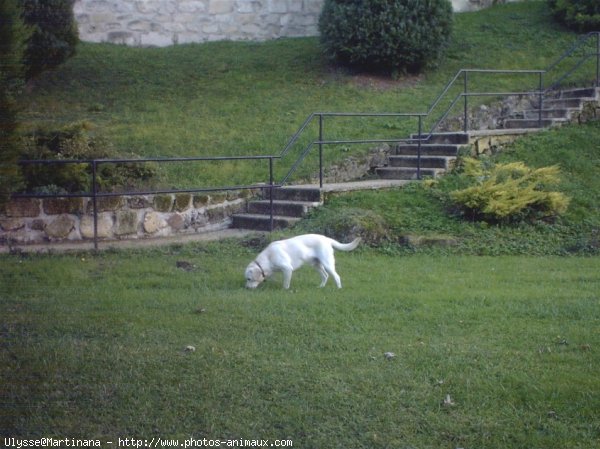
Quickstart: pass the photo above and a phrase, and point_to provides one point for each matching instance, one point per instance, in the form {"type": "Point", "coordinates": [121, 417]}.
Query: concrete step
{"type": "Point", "coordinates": [406, 173]}
{"type": "Point", "coordinates": [261, 222]}
{"type": "Point", "coordinates": [427, 150]}
{"type": "Point", "coordinates": [413, 161]}
{"type": "Point", "coordinates": [280, 207]}
{"type": "Point", "coordinates": [530, 123]}
{"type": "Point", "coordinates": [454, 138]}
{"type": "Point", "coordinates": [296, 193]}
{"type": "Point", "coordinates": [563, 103]}
{"type": "Point", "coordinates": [590, 93]}
{"type": "Point", "coordinates": [533, 114]}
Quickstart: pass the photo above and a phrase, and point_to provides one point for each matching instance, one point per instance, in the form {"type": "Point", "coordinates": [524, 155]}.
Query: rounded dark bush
{"type": "Point", "coordinates": [579, 15]}
{"type": "Point", "coordinates": [76, 142]}
{"type": "Point", "coordinates": [54, 34]}
{"type": "Point", "coordinates": [386, 35]}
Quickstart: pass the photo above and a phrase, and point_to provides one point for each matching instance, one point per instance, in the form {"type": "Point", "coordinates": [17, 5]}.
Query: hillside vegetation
{"type": "Point", "coordinates": [232, 98]}
{"type": "Point", "coordinates": [422, 218]}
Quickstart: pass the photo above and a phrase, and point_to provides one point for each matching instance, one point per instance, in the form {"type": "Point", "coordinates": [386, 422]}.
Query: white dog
{"type": "Point", "coordinates": [290, 254]}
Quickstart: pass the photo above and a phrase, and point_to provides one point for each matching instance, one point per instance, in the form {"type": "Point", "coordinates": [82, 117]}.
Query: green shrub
{"type": "Point", "coordinates": [76, 141]}
{"type": "Point", "coordinates": [55, 34]}
{"type": "Point", "coordinates": [347, 224]}
{"type": "Point", "coordinates": [13, 38]}
{"type": "Point", "coordinates": [386, 35]}
{"type": "Point", "coordinates": [509, 192]}
{"type": "Point", "coordinates": [579, 15]}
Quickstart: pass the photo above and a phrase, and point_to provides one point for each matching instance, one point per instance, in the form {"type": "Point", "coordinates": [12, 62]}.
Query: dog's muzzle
{"type": "Point", "coordinates": [253, 283]}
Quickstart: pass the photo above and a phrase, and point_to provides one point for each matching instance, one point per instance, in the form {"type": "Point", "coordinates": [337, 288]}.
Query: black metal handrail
{"type": "Point", "coordinates": [420, 137]}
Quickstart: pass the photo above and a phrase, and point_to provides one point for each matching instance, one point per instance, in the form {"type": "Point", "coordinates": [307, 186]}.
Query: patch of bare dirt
{"type": "Point", "coordinates": [383, 83]}
{"type": "Point", "coordinates": [377, 82]}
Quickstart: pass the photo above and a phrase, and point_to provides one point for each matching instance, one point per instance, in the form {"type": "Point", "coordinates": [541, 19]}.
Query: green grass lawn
{"type": "Point", "coordinates": [93, 346]}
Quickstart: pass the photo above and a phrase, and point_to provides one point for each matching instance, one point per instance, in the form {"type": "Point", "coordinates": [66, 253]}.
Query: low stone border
{"type": "Point", "coordinates": [35, 220]}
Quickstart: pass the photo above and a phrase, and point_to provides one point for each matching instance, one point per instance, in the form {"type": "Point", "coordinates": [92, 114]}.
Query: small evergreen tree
{"type": "Point", "coordinates": [13, 41]}
{"type": "Point", "coordinates": [386, 35]}
{"type": "Point", "coordinates": [579, 15]}
{"type": "Point", "coordinates": [54, 34]}
{"type": "Point", "coordinates": [509, 192]}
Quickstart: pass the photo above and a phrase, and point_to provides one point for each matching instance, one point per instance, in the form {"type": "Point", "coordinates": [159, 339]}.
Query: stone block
{"type": "Point", "coordinates": [156, 39]}
{"type": "Point", "coordinates": [193, 6]}
{"type": "Point", "coordinates": [232, 195]}
{"type": "Point", "coordinates": [277, 6]}
{"type": "Point", "coordinates": [216, 214]}
{"type": "Point", "coordinates": [11, 224]}
{"type": "Point", "coordinates": [196, 219]}
{"type": "Point", "coordinates": [153, 222]}
{"type": "Point", "coordinates": [220, 6]}
{"type": "Point", "coordinates": [217, 198]}
{"type": "Point", "coordinates": [106, 204]}
{"type": "Point", "coordinates": [97, 5]}
{"type": "Point", "coordinates": [23, 207]}
{"type": "Point", "coordinates": [168, 7]}
{"type": "Point", "coordinates": [210, 28]}
{"type": "Point", "coordinates": [184, 18]}
{"type": "Point", "coordinates": [183, 202]}
{"type": "Point", "coordinates": [38, 224]}
{"type": "Point", "coordinates": [105, 225]}
{"type": "Point", "coordinates": [121, 37]}
{"type": "Point", "coordinates": [313, 6]}
{"type": "Point", "coordinates": [57, 206]}
{"type": "Point", "coordinates": [101, 19]}
{"type": "Point", "coordinates": [249, 6]}
{"type": "Point", "coordinates": [60, 227]}
{"type": "Point", "coordinates": [139, 202]}
{"type": "Point", "coordinates": [126, 222]}
{"type": "Point", "coordinates": [139, 25]}
{"type": "Point", "coordinates": [201, 200]}
{"type": "Point", "coordinates": [176, 221]}
{"type": "Point", "coordinates": [148, 6]}
{"type": "Point", "coordinates": [163, 203]}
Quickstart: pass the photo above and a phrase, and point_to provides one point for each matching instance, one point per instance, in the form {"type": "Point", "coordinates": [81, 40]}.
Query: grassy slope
{"type": "Point", "coordinates": [248, 98]}
{"type": "Point", "coordinates": [421, 211]}
{"type": "Point", "coordinates": [512, 340]}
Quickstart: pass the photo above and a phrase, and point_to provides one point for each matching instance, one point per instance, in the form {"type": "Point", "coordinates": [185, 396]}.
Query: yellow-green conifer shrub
{"type": "Point", "coordinates": [509, 192]}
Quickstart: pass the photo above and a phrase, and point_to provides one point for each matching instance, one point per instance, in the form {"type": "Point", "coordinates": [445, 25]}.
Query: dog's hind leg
{"type": "Point", "coordinates": [330, 268]}
{"type": "Point", "coordinates": [321, 270]}
{"type": "Point", "coordinates": [336, 278]}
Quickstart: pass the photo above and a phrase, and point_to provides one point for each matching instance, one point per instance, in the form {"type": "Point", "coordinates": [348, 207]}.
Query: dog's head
{"type": "Point", "coordinates": [254, 275]}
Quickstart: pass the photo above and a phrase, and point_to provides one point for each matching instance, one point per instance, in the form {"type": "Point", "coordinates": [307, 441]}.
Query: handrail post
{"type": "Point", "coordinates": [95, 203]}
{"type": "Point", "coordinates": [419, 148]}
{"type": "Point", "coordinates": [320, 151]}
{"type": "Point", "coordinates": [271, 194]}
{"type": "Point", "coordinates": [598, 59]}
{"type": "Point", "coordinates": [466, 124]}
{"type": "Point", "coordinates": [541, 97]}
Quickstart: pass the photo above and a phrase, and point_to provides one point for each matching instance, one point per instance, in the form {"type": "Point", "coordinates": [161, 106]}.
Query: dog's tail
{"type": "Point", "coordinates": [346, 246]}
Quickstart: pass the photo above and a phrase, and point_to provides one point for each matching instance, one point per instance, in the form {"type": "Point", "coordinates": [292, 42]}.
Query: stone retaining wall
{"type": "Point", "coordinates": [168, 22]}
{"type": "Point", "coordinates": [33, 220]}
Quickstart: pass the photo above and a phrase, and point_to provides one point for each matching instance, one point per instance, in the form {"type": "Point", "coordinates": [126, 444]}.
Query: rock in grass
{"type": "Point", "coordinates": [389, 355]}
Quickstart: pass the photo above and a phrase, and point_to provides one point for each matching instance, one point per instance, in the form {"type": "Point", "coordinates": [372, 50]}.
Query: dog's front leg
{"type": "Point", "coordinates": [287, 277]}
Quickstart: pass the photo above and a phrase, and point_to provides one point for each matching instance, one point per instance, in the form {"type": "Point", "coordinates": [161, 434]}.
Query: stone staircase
{"type": "Point", "coordinates": [437, 155]}
{"type": "Point", "coordinates": [290, 204]}
{"type": "Point", "coordinates": [441, 149]}
{"type": "Point", "coordinates": [558, 107]}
